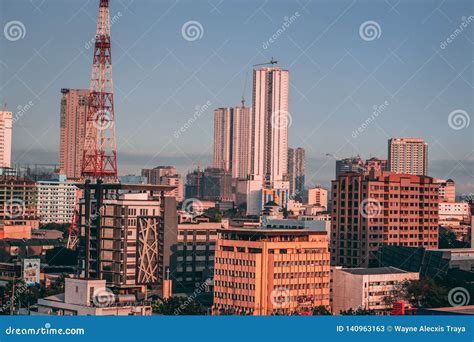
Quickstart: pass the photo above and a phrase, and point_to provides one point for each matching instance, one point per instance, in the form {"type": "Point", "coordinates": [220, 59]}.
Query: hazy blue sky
{"type": "Point", "coordinates": [337, 77]}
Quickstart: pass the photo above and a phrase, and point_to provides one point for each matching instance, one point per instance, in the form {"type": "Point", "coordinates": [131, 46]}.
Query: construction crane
{"type": "Point", "coordinates": [271, 62]}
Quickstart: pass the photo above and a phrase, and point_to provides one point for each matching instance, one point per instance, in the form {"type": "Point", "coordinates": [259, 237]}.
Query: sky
{"type": "Point", "coordinates": [360, 73]}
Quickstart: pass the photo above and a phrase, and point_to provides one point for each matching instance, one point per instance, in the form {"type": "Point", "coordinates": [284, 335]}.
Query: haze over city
{"type": "Point", "coordinates": [336, 77]}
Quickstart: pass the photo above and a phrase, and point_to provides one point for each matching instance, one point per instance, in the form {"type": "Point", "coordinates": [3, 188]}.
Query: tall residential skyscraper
{"type": "Point", "coordinates": [241, 142]}
{"type": "Point", "coordinates": [269, 136]}
{"type": "Point", "coordinates": [232, 140]}
{"type": "Point", "coordinates": [296, 162]}
{"type": "Point", "coordinates": [5, 139]}
{"type": "Point", "coordinates": [408, 155]}
{"type": "Point", "coordinates": [223, 138]}
{"type": "Point", "coordinates": [269, 140]}
{"type": "Point", "coordinates": [72, 131]}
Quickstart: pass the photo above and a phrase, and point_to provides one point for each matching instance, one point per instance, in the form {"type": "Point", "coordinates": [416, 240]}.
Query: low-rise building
{"type": "Point", "coordinates": [195, 254]}
{"type": "Point", "coordinates": [86, 297]}
{"type": "Point", "coordinates": [265, 271]}
{"type": "Point", "coordinates": [318, 196]}
{"type": "Point", "coordinates": [366, 288]}
{"type": "Point", "coordinates": [56, 200]}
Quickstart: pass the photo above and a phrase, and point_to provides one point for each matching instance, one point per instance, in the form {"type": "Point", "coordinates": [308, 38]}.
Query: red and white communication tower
{"type": "Point", "coordinates": [100, 152]}
{"type": "Point", "coordinates": [99, 159]}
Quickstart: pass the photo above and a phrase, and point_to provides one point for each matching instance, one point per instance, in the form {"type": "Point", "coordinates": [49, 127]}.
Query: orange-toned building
{"type": "Point", "coordinates": [376, 209]}
{"type": "Point", "coordinates": [268, 271]}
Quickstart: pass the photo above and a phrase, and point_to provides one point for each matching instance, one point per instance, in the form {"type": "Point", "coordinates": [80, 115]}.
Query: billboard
{"type": "Point", "coordinates": [31, 271]}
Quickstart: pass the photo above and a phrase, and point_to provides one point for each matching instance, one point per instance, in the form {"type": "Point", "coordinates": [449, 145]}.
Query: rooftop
{"type": "Point", "coordinates": [373, 271]}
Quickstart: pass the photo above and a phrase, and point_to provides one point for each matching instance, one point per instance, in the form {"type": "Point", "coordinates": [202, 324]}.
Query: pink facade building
{"type": "Point", "coordinates": [408, 155]}
{"type": "Point", "coordinates": [232, 140]}
{"type": "Point", "coordinates": [5, 138]}
{"type": "Point", "coordinates": [72, 131]}
{"type": "Point", "coordinates": [369, 211]}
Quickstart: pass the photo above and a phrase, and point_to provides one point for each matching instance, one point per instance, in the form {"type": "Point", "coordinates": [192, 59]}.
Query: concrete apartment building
{"type": "Point", "coordinates": [296, 171]}
{"type": "Point", "coordinates": [127, 233]}
{"type": "Point", "coordinates": [265, 271]}
{"type": "Point", "coordinates": [366, 288]}
{"type": "Point", "coordinates": [6, 129]}
{"type": "Point", "coordinates": [352, 164]}
{"type": "Point", "coordinates": [88, 297]}
{"type": "Point", "coordinates": [56, 200]}
{"type": "Point", "coordinates": [72, 131]}
{"type": "Point", "coordinates": [18, 203]}
{"type": "Point", "coordinates": [195, 254]}
{"type": "Point", "coordinates": [369, 211]}
{"type": "Point", "coordinates": [318, 196]}
{"type": "Point", "coordinates": [232, 140]}
{"type": "Point", "coordinates": [268, 168]}
{"type": "Point", "coordinates": [166, 175]}
{"type": "Point", "coordinates": [376, 165]}
{"type": "Point", "coordinates": [447, 190]}
{"type": "Point", "coordinates": [408, 155]}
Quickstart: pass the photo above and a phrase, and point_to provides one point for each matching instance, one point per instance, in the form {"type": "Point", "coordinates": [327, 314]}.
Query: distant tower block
{"type": "Point", "coordinates": [100, 152]}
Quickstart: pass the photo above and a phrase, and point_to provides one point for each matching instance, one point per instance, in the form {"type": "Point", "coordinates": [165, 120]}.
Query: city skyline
{"type": "Point", "coordinates": [339, 83]}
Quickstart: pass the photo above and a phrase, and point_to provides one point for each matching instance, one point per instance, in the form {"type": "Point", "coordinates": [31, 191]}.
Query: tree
{"type": "Point", "coordinates": [447, 239]}
{"type": "Point", "coordinates": [358, 312]}
{"type": "Point", "coordinates": [57, 286]}
{"type": "Point", "coordinates": [321, 311]}
{"type": "Point", "coordinates": [424, 293]}
{"type": "Point", "coordinates": [178, 306]}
